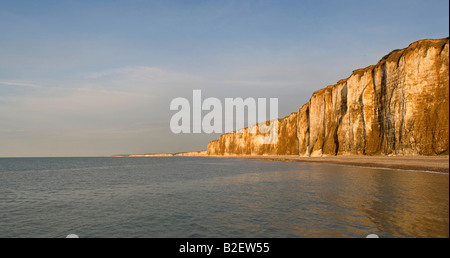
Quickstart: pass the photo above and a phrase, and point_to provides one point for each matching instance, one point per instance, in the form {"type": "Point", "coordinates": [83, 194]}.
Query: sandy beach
{"type": "Point", "coordinates": [416, 163]}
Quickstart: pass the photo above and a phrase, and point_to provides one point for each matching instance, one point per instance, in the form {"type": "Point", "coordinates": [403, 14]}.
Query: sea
{"type": "Point", "coordinates": [195, 197]}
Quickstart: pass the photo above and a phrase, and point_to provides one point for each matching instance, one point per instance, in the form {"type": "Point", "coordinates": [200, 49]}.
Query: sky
{"type": "Point", "coordinates": [96, 78]}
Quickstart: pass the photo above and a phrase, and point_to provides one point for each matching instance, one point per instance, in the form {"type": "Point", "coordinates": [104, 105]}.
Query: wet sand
{"type": "Point", "coordinates": [416, 163]}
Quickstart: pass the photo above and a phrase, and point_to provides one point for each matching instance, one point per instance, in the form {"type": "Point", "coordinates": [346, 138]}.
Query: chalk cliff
{"type": "Point", "coordinates": [399, 106]}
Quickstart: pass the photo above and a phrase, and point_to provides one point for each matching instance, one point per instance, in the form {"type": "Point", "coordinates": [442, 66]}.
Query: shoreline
{"type": "Point", "coordinates": [437, 164]}
{"type": "Point", "coordinates": [413, 163]}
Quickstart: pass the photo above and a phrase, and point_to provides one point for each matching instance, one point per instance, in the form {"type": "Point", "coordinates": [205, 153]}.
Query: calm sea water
{"type": "Point", "coordinates": [206, 197]}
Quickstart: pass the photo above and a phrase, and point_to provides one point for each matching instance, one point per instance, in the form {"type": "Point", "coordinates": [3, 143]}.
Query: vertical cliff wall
{"type": "Point", "coordinates": [245, 142]}
{"type": "Point", "coordinates": [399, 106]}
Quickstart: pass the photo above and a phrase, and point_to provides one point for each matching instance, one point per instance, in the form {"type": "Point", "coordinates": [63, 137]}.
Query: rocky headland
{"type": "Point", "coordinates": [400, 106]}
{"type": "Point", "coordinates": [394, 114]}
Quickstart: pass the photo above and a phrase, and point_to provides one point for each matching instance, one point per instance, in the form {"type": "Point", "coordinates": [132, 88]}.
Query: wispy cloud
{"type": "Point", "coordinates": [21, 84]}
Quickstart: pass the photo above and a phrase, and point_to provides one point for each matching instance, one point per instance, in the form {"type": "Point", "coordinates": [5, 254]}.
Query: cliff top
{"type": "Point", "coordinates": [394, 56]}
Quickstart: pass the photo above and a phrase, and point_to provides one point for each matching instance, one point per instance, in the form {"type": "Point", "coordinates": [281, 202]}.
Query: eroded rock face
{"type": "Point", "coordinates": [246, 142]}
{"type": "Point", "coordinates": [399, 106]}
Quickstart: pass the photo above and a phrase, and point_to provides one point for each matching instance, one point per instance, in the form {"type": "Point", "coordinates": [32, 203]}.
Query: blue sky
{"type": "Point", "coordinates": [84, 78]}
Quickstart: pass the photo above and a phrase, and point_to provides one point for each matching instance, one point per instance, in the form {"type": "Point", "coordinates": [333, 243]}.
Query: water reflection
{"type": "Point", "coordinates": [185, 197]}
{"type": "Point", "coordinates": [338, 201]}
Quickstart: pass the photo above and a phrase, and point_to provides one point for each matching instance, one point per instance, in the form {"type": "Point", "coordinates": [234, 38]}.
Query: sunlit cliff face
{"type": "Point", "coordinates": [399, 106]}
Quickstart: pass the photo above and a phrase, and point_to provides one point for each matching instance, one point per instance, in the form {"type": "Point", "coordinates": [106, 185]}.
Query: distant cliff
{"type": "Point", "coordinates": [181, 154]}
{"type": "Point", "coordinates": [399, 106]}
